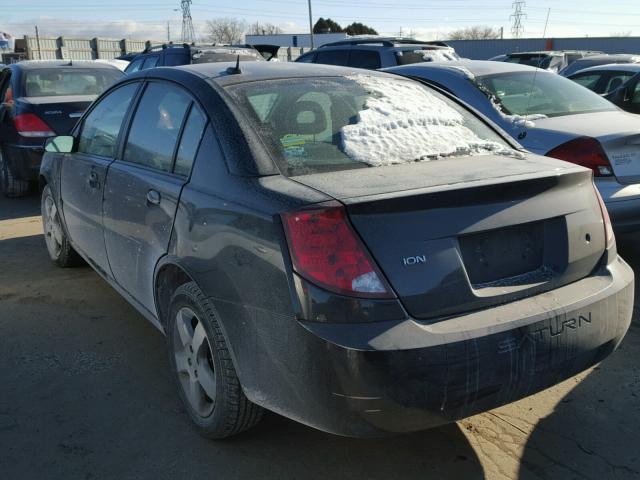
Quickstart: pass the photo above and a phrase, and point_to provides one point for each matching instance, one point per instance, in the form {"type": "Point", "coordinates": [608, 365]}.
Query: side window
{"type": "Point", "coordinates": [100, 129]}
{"type": "Point", "coordinates": [306, 58]}
{"type": "Point", "coordinates": [616, 80]}
{"type": "Point", "coordinates": [588, 80]}
{"type": "Point", "coordinates": [134, 66]}
{"type": "Point", "coordinates": [368, 59]}
{"type": "Point", "coordinates": [333, 57]}
{"type": "Point", "coordinates": [190, 141]}
{"type": "Point", "coordinates": [156, 125]}
{"type": "Point", "coordinates": [150, 62]}
{"type": "Point", "coordinates": [635, 98]}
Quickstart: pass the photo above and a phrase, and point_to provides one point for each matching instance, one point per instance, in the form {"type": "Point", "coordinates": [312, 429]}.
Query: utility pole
{"type": "Point", "coordinates": [38, 44]}
{"type": "Point", "coordinates": [168, 32]}
{"type": "Point", "coordinates": [518, 14]}
{"type": "Point", "coordinates": [501, 33]}
{"type": "Point", "coordinates": [188, 34]}
{"type": "Point", "coordinates": [310, 24]}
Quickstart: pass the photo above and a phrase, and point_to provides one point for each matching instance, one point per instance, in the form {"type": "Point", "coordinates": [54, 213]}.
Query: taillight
{"type": "Point", "coordinates": [31, 125]}
{"type": "Point", "coordinates": [585, 151]}
{"type": "Point", "coordinates": [326, 251]}
{"type": "Point", "coordinates": [608, 228]}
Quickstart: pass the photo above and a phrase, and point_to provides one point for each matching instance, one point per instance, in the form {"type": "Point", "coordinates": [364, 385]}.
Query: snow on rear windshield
{"type": "Point", "coordinates": [333, 123]}
{"type": "Point", "coordinates": [404, 122]}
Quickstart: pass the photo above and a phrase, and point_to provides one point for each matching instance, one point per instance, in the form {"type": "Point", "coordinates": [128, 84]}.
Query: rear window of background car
{"type": "Point", "coordinates": [56, 82]}
{"type": "Point", "coordinates": [368, 59]}
{"type": "Point", "coordinates": [101, 127]}
{"type": "Point", "coordinates": [156, 126]}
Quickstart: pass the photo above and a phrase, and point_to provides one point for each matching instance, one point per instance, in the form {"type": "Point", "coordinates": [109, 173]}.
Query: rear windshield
{"type": "Point", "coordinates": [540, 61]}
{"type": "Point", "coordinates": [56, 82]}
{"type": "Point", "coordinates": [227, 55]}
{"type": "Point", "coordinates": [528, 93]}
{"type": "Point", "coordinates": [406, 57]}
{"type": "Point", "coordinates": [327, 124]}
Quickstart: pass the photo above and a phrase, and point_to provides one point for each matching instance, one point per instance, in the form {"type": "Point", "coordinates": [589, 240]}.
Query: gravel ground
{"type": "Point", "coordinates": [86, 393]}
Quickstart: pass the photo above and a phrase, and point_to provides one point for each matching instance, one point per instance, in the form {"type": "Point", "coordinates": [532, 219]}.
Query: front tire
{"type": "Point", "coordinates": [9, 184]}
{"type": "Point", "coordinates": [58, 246]}
{"type": "Point", "coordinates": [207, 381]}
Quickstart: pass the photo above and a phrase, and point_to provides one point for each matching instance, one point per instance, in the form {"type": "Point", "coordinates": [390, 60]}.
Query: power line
{"type": "Point", "coordinates": [517, 16]}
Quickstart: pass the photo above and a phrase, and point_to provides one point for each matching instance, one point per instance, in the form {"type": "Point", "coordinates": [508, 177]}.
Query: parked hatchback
{"type": "Point", "coordinates": [619, 84]}
{"type": "Point", "coordinates": [40, 100]}
{"type": "Point", "coordinates": [378, 52]}
{"type": "Point", "coordinates": [553, 116]}
{"type": "Point", "coordinates": [350, 249]}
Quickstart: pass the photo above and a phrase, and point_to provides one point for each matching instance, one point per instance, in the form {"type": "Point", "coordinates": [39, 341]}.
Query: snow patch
{"type": "Point", "coordinates": [403, 122]}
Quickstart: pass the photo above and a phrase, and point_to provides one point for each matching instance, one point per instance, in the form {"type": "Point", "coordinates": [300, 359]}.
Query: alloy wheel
{"type": "Point", "coordinates": [194, 362]}
{"type": "Point", "coordinates": [53, 234]}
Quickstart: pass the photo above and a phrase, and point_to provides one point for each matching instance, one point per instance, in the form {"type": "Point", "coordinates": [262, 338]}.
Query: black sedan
{"type": "Point", "coordinates": [40, 100]}
{"type": "Point", "coordinates": [348, 248]}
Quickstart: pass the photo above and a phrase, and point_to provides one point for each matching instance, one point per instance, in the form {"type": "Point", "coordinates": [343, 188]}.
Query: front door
{"type": "Point", "coordinates": [83, 174]}
{"type": "Point", "coordinates": [143, 188]}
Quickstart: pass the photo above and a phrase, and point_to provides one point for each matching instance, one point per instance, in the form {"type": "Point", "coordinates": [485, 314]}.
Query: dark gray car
{"type": "Point", "coordinates": [350, 249]}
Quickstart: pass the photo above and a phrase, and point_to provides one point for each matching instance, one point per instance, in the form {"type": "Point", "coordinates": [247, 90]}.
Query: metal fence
{"type": "Point", "coordinates": [63, 48]}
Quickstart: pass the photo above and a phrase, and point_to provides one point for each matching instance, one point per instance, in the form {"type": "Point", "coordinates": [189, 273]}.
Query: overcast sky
{"type": "Point", "coordinates": [147, 19]}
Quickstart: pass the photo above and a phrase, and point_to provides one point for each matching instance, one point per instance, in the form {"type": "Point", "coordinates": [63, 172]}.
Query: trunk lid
{"type": "Point", "coordinates": [617, 131]}
{"type": "Point", "coordinates": [61, 113]}
{"type": "Point", "coordinates": [461, 234]}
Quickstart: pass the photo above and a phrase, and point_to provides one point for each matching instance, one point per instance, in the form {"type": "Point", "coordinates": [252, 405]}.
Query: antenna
{"type": "Point", "coordinates": [518, 14]}
{"type": "Point", "coordinates": [188, 34]}
{"type": "Point", "coordinates": [535, 74]}
{"type": "Point", "coordinates": [235, 70]}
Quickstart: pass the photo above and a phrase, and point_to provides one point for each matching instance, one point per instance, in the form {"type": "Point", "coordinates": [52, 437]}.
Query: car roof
{"type": "Point", "coordinates": [476, 67]}
{"type": "Point", "coordinates": [619, 67]}
{"type": "Point", "coordinates": [613, 56]}
{"type": "Point", "coordinates": [258, 71]}
{"type": "Point", "coordinates": [37, 64]}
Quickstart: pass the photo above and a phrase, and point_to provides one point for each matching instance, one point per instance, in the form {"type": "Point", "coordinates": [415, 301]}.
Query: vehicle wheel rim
{"type": "Point", "coordinates": [194, 362]}
{"type": "Point", "coordinates": [52, 229]}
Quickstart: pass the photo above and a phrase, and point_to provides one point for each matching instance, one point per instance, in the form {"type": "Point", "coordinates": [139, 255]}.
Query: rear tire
{"type": "Point", "coordinates": [58, 246]}
{"type": "Point", "coordinates": [207, 381]}
{"type": "Point", "coordinates": [9, 184]}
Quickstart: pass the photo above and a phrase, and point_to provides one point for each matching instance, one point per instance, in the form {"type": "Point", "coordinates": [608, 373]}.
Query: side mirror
{"type": "Point", "coordinates": [61, 144]}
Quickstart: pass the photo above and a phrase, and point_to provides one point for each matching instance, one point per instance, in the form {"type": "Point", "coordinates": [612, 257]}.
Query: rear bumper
{"type": "Point", "coordinates": [623, 203]}
{"type": "Point", "coordinates": [25, 160]}
{"type": "Point", "coordinates": [401, 376]}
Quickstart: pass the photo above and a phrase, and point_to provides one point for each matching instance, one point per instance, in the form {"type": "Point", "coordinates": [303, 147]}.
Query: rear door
{"type": "Point", "coordinates": [83, 173]}
{"type": "Point", "coordinates": [143, 188]}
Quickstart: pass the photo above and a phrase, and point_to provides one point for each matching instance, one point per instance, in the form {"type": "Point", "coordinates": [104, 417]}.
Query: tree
{"type": "Point", "coordinates": [357, 28]}
{"type": "Point", "coordinates": [226, 30]}
{"type": "Point", "coordinates": [327, 26]}
{"type": "Point", "coordinates": [264, 29]}
{"type": "Point", "coordinates": [478, 32]}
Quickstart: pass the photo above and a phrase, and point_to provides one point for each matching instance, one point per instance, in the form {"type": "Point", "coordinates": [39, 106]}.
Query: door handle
{"type": "Point", "coordinates": [153, 197]}
{"type": "Point", "coordinates": [93, 180]}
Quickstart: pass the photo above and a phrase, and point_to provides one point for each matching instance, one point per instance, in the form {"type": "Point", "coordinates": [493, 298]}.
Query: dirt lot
{"type": "Point", "coordinates": [85, 393]}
